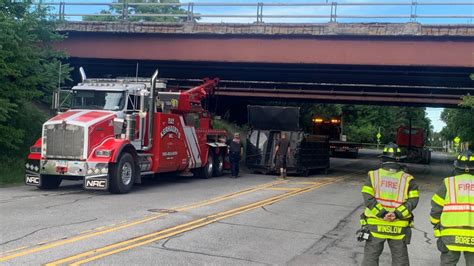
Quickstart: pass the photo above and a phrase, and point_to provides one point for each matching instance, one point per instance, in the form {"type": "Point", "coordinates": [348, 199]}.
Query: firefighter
{"type": "Point", "coordinates": [390, 196]}
{"type": "Point", "coordinates": [236, 150]}
{"type": "Point", "coordinates": [452, 213]}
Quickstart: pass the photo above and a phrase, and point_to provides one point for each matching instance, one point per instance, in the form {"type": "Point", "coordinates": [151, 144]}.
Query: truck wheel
{"type": "Point", "coordinates": [50, 181]}
{"type": "Point", "coordinates": [122, 175]}
{"type": "Point", "coordinates": [206, 171]}
{"type": "Point", "coordinates": [218, 165]}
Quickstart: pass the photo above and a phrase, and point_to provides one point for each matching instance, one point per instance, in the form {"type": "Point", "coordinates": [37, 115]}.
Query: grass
{"type": "Point", "coordinates": [12, 170]}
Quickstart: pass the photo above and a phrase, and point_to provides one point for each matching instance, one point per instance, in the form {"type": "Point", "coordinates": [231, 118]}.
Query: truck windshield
{"type": "Point", "coordinates": [99, 100]}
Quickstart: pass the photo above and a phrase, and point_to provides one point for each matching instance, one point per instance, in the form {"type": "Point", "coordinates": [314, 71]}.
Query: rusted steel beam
{"type": "Point", "coordinates": [351, 98]}
{"type": "Point", "coordinates": [294, 50]}
{"type": "Point", "coordinates": [332, 92]}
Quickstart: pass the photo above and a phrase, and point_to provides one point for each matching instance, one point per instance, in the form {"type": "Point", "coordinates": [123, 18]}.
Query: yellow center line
{"type": "Point", "coordinates": [283, 188]}
{"type": "Point", "coordinates": [149, 238]}
{"type": "Point", "coordinates": [103, 230]}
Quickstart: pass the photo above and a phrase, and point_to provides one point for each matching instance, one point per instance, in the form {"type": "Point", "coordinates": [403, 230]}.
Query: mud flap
{"type": "Point", "coordinates": [96, 183]}
{"type": "Point", "coordinates": [32, 180]}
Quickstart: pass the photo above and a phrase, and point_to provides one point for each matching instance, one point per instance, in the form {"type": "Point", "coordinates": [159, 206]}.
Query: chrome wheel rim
{"type": "Point", "coordinates": [210, 166]}
{"type": "Point", "coordinates": [221, 164]}
{"type": "Point", "coordinates": [126, 173]}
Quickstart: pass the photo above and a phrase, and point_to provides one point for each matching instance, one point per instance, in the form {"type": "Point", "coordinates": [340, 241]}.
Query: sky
{"type": "Point", "coordinates": [434, 114]}
{"type": "Point", "coordinates": [365, 10]}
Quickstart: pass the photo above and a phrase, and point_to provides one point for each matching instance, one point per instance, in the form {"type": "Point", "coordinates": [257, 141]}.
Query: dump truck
{"type": "Point", "coordinates": [339, 146]}
{"type": "Point", "coordinates": [412, 143]}
{"type": "Point", "coordinates": [307, 152]}
{"type": "Point", "coordinates": [119, 130]}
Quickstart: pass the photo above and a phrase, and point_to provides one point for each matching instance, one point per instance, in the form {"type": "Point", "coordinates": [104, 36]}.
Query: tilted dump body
{"type": "Point", "coordinates": [307, 152]}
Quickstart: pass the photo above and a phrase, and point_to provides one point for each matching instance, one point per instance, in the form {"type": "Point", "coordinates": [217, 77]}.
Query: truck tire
{"type": "Point", "coordinates": [207, 170]}
{"type": "Point", "coordinates": [218, 165]}
{"type": "Point", "coordinates": [50, 181]}
{"type": "Point", "coordinates": [122, 175]}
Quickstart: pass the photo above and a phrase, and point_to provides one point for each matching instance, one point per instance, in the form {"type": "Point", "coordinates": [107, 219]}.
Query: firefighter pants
{"type": "Point", "coordinates": [374, 247]}
{"type": "Point", "coordinates": [451, 258]}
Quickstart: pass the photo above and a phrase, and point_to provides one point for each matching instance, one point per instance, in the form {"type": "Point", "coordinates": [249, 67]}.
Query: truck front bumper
{"type": "Point", "coordinates": [95, 175]}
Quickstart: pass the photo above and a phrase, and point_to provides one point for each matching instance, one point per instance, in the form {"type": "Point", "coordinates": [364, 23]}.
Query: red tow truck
{"type": "Point", "coordinates": [120, 130]}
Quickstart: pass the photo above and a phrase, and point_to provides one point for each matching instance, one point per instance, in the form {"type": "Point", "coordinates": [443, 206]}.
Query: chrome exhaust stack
{"type": "Point", "coordinates": [151, 111]}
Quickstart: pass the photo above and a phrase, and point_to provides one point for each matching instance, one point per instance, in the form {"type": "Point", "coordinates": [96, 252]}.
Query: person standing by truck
{"type": "Point", "coordinates": [281, 151]}
{"type": "Point", "coordinates": [236, 150]}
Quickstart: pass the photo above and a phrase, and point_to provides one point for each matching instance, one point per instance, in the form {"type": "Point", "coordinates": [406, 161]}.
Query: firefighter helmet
{"type": "Point", "coordinates": [465, 162]}
{"type": "Point", "coordinates": [391, 151]}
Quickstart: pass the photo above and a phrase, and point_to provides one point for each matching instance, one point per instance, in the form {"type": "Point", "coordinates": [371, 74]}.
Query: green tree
{"type": "Point", "coordinates": [115, 12]}
{"type": "Point", "coordinates": [460, 122]}
{"type": "Point", "coordinates": [28, 72]}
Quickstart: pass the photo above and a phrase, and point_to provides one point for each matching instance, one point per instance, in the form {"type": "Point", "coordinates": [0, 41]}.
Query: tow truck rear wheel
{"type": "Point", "coordinates": [207, 171]}
{"type": "Point", "coordinates": [50, 181]}
{"type": "Point", "coordinates": [122, 175]}
{"type": "Point", "coordinates": [218, 165]}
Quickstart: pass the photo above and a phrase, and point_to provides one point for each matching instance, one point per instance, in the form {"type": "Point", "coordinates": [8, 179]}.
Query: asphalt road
{"type": "Point", "coordinates": [251, 220]}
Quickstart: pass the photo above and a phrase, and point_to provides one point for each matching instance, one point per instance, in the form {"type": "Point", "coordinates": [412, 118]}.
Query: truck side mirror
{"type": "Point", "coordinates": [118, 126]}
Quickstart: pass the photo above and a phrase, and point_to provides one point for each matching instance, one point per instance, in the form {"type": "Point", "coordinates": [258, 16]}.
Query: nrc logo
{"type": "Point", "coordinates": [96, 184]}
{"type": "Point", "coordinates": [35, 180]}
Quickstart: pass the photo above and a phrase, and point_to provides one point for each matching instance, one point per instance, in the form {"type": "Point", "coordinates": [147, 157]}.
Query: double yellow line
{"type": "Point", "coordinates": [108, 250]}
{"type": "Point", "coordinates": [19, 252]}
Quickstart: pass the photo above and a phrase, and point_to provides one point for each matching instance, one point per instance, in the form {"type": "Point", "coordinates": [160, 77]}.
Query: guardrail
{"type": "Point", "coordinates": [324, 11]}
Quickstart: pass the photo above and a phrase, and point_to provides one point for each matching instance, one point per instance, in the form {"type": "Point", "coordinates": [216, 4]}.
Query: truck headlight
{"type": "Point", "coordinates": [102, 153]}
{"type": "Point", "coordinates": [35, 149]}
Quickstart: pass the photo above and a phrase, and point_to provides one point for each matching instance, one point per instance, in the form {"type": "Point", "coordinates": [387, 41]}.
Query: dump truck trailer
{"type": "Point", "coordinates": [268, 123]}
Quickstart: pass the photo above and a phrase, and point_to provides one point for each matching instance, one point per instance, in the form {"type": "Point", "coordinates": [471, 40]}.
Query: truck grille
{"type": "Point", "coordinates": [64, 141]}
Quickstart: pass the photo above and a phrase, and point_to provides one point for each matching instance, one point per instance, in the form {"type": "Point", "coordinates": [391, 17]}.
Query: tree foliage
{"type": "Point", "coordinates": [115, 12]}
{"type": "Point", "coordinates": [28, 70]}
{"type": "Point", "coordinates": [460, 122]}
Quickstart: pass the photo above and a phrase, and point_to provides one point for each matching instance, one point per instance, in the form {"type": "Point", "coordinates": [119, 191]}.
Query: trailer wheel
{"type": "Point", "coordinates": [50, 182]}
{"type": "Point", "coordinates": [218, 165]}
{"type": "Point", "coordinates": [122, 175]}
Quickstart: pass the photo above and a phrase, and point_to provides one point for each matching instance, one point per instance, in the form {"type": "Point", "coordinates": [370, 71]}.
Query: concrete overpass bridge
{"type": "Point", "coordinates": [374, 63]}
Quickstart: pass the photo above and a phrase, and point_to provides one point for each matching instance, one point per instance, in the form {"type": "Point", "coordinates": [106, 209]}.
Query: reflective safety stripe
{"type": "Point", "coordinates": [458, 208]}
{"type": "Point", "coordinates": [399, 223]}
{"type": "Point", "coordinates": [376, 183]}
{"type": "Point", "coordinates": [402, 188]}
{"type": "Point", "coordinates": [383, 236]}
{"type": "Point", "coordinates": [368, 190]}
{"type": "Point", "coordinates": [413, 194]}
{"type": "Point", "coordinates": [434, 220]}
{"type": "Point", "coordinates": [452, 190]}
{"type": "Point", "coordinates": [437, 233]}
{"type": "Point", "coordinates": [457, 232]}
{"type": "Point", "coordinates": [389, 203]}
{"type": "Point", "coordinates": [460, 248]}
{"type": "Point", "coordinates": [438, 200]}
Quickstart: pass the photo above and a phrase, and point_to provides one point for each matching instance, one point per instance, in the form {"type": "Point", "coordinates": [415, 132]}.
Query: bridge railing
{"type": "Point", "coordinates": [260, 12]}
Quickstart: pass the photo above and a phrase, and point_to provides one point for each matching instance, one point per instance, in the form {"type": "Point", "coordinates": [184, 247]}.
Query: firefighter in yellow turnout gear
{"type": "Point", "coordinates": [390, 196]}
{"type": "Point", "coordinates": [452, 213]}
